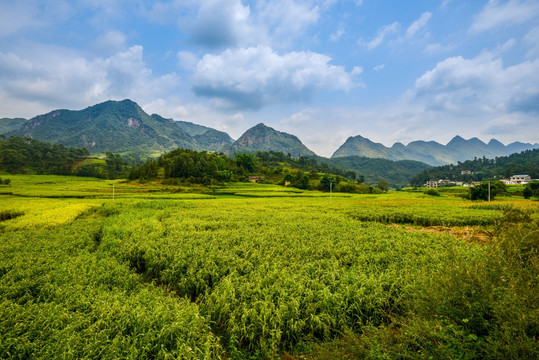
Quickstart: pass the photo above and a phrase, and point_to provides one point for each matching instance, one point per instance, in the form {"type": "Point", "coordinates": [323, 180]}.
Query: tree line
{"type": "Point", "coordinates": [18, 154]}
{"type": "Point", "coordinates": [208, 168]}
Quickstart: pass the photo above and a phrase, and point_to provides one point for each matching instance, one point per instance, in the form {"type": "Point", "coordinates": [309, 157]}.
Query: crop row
{"type": "Point", "coordinates": [269, 274]}
{"type": "Point", "coordinates": [59, 298]}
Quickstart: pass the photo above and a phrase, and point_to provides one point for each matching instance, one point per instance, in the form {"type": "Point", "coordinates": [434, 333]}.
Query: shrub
{"type": "Point", "coordinates": [432, 192]}
{"type": "Point", "coordinates": [527, 192]}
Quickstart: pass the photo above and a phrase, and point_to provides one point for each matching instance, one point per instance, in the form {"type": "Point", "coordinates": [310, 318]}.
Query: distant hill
{"type": "Point", "coordinates": [430, 152]}
{"type": "Point", "coordinates": [7, 125]}
{"type": "Point", "coordinates": [526, 162]}
{"type": "Point", "coordinates": [119, 127]}
{"type": "Point", "coordinates": [396, 173]}
{"type": "Point", "coordinates": [265, 138]}
{"type": "Point", "coordinates": [205, 137]}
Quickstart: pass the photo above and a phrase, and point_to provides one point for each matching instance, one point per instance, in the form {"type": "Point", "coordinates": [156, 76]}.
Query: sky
{"type": "Point", "coordinates": [323, 70]}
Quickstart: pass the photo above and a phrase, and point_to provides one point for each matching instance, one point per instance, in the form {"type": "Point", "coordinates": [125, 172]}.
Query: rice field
{"type": "Point", "coordinates": [260, 271]}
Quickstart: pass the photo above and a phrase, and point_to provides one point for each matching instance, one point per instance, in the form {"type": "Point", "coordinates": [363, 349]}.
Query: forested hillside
{"type": "Point", "coordinates": [395, 173]}
{"type": "Point", "coordinates": [18, 153]}
{"type": "Point", "coordinates": [526, 162]}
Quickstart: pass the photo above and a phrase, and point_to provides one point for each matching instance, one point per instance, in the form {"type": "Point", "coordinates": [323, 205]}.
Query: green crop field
{"type": "Point", "coordinates": [249, 271]}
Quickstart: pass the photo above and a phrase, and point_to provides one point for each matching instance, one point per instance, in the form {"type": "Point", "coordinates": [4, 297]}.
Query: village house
{"type": "Point", "coordinates": [518, 180]}
{"type": "Point", "coordinates": [256, 179]}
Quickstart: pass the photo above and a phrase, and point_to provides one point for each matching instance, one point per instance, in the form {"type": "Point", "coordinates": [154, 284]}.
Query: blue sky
{"type": "Point", "coordinates": [323, 70]}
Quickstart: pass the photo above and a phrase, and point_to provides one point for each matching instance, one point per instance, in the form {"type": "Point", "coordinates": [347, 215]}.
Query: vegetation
{"type": "Point", "coordinates": [487, 190]}
{"type": "Point", "coordinates": [274, 167]}
{"type": "Point", "coordinates": [531, 189]}
{"type": "Point", "coordinates": [156, 274]}
{"type": "Point", "coordinates": [7, 125]}
{"type": "Point", "coordinates": [18, 153]}
{"type": "Point", "coordinates": [526, 162]}
{"type": "Point", "coordinates": [396, 173]}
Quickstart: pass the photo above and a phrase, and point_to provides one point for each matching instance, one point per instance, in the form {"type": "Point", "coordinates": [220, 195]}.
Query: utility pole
{"type": "Point", "coordinates": [330, 190]}
{"type": "Point", "coordinates": [113, 191]}
{"type": "Point", "coordinates": [489, 191]}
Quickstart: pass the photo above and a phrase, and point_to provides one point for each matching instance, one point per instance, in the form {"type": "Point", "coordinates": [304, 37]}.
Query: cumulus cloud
{"type": "Point", "coordinates": [286, 18]}
{"type": "Point", "coordinates": [218, 24]}
{"type": "Point", "coordinates": [222, 23]}
{"type": "Point", "coordinates": [257, 76]}
{"type": "Point", "coordinates": [186, 60]}
{"type": "Point", "coordinates": [54, 78]}
{"type": "Point", "coordinates": [495, 14]}
{"type": "Point", "coordinates": [479, 84]}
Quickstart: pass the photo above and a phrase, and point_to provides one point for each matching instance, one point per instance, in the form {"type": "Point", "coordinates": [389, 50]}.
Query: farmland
{"type": "Point", "coordinates": [262, 271]}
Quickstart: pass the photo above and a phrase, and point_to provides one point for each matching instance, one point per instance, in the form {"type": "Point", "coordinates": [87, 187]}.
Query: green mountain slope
{"type": "Point", "coordinates": [395, 173]}
{"type": "Point", "coordinates": [115, 126]}
{"type": "Point", "coordinates": [360, 146]}
{"type": "Point", "coordinates": [207, 138]}
{"type": "Point", "coordinates": [7, 125]}
{"type": "Point", "coordinates": [264, 138]}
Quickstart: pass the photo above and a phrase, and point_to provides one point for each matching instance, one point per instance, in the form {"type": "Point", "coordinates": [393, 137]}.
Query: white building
{"type": "Point", "coordinates": [518, 180]}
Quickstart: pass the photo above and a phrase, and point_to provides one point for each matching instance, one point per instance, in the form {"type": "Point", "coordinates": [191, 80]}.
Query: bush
{"type": "Point", "coordinates": [432, 192]}
{"type": "Point", "coordinates": [527, 193]}
{"type": "Point", "coordinates": [7, 181]}
{"type": "Point", "coordinates": [481, 192]}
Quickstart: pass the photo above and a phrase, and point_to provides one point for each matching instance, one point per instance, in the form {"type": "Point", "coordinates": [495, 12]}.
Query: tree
{"type": "Point", "coordinates": [246, 161]}
{"type": "Point", "coordinates": [481, 192]}
{"type": "Point", "coordinates": [527, 193]}
{"type": "Point", "coordinates": [382, 185]}
{"type": "Point", "coordinates": [325, 182]}
{"type": "Point", "coordinates": [114, 164]}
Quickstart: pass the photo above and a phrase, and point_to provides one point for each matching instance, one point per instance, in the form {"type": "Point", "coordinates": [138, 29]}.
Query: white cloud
{"type": "Point", "coordinates": [176, 108]}
{"type": "Point", "coordinates": [222, 23]}
{"type": "Point", "coordinates": [460, 85]}
{"type": "Point", "coordinates": [337, 35]}
{"type": "Point", "coordinates": [20, 15]}
{"type": "Point", "coordinates": [357, 70]}
{"type": "Point", "coordinates": [418, 24]}
{"type": "Point", "coordinates": [286, 18]}
{"type": "Point", "coordinates": [218, 24]}
{"type": "Point", "coordinates": [302, 117]}
{"type": "Point", "coordinates": [495, 14]}
{"type": "Point", "coordinates": [379, 67]}
{"type": "Point", "coordinates": [383, 32]}
{"type": "Point", "coordinates": [54, 78]}
{"type": "Point", "coordinates": [186, 60]}
{"type": "Point", "coordinates": [532, 40]}
{"type": "Point", "coordinates": [433, 49]}
{"type": "Point", "coordinates": [257, 76]}
{"type": "Point", "coordinates": [111, 42]}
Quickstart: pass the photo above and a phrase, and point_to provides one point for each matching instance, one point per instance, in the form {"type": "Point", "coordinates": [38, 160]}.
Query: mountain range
{"type": "Point", "coordinates": [119, 127]}
{"type": "Point", "coordinates": [430, 152]}
{"type": "Point", "coordinates": [123, 127]}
